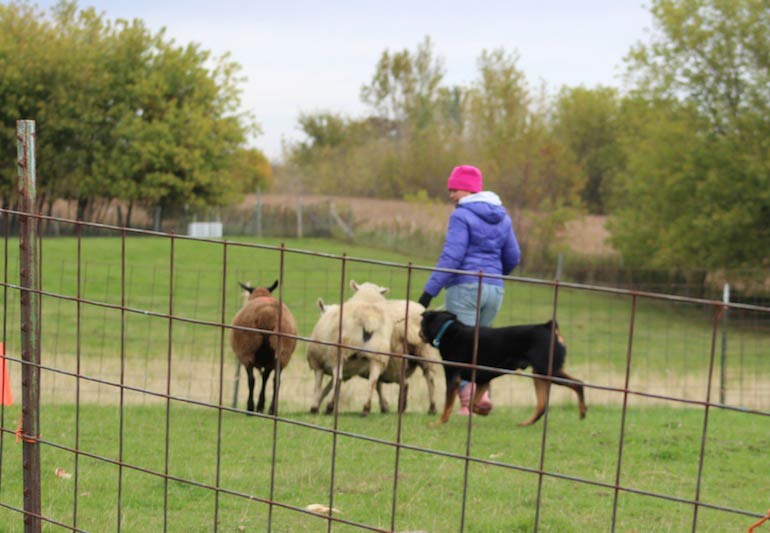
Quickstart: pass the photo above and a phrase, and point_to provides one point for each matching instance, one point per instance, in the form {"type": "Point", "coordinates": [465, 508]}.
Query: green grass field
{"type": "Point", "coordinates": [190, 358]}
{"type": "Point", "coordinates": [661, 451]}
{"type": "Point", "coordinates": [672, 342]}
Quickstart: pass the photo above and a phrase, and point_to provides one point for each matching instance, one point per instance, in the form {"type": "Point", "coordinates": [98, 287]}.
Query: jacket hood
{"type": "Point", "coordinates": [486, 205]}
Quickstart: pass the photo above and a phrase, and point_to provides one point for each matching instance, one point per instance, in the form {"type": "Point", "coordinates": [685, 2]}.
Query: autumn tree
{"type": "Point", "coordinates": [697, 188]}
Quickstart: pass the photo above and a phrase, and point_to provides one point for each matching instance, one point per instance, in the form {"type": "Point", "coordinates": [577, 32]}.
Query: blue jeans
{"type": "Point", "coordinates": [462, 299]}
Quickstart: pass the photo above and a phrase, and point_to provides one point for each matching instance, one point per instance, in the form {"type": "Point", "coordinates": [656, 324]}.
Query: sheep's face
{"type": "Point", "coordinates": [368, 287]}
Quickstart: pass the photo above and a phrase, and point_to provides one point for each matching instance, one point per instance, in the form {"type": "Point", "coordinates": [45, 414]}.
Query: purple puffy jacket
{"type": "Point", "coordinates": [480, 237]}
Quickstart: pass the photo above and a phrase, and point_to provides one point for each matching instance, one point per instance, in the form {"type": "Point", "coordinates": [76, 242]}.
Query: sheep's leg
{"type": "Point", "coordinates": [335, 391]}
{"type": "Point", "coordinates": [326, 390]}
{"type": "Point", "coordinates": [250, 376]}
{"type": "Point", "coordinates": [276, 385]}
{"type": "Point", "coordinates": [427, 372]}
{"type": "Point", "coordinates": [318, 393]}
{"type": "Point", "coordinates": [261, 402]}
{"type": "Point", "coordinates": [403, 396]}
{"type": "Point", "coordinates": [375, 369]}
{"type": "Point", "coordinates": [384, 407]}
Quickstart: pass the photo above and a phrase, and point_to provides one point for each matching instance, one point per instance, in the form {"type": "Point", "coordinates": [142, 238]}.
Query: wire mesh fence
{"type": "Point", "coordinates": [143, 423]}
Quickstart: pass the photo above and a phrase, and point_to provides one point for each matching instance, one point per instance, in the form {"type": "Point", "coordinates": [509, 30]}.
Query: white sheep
{"type": "Point", "coordinates": [366, 328]}
{"type": "Point", "coordinates": [258, 350]}
{"type": "Point", "coordinates": [407, 340]}
{"type": "Point", "coordinates": [322, 358]}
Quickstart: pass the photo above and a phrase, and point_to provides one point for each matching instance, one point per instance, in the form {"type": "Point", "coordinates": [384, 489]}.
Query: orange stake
{"type": "Point", "coordinates": [5, 387]}
{"type": "Point", "coordinates": [759, 522]}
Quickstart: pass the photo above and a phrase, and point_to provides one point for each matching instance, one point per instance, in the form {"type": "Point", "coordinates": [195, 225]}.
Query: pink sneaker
{"type": "Point", "coordinates": [484, 407]}
{"type": "Point", "coordinates": [465, 394]}
{"type": "Point", "coordinates": [464, 411]}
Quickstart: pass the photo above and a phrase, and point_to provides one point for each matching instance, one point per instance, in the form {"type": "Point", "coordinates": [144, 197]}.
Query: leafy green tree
{"type": "Point", "coordinates": [587, 122]}
{"type": "Point", "coordinates": [520, 158]}
{"type": "Point", "coordinates": [405, 86]}
{"type": "Point", "coordinates": [121, 112]}
{"type": "Point", "coordinates": [697, 189]}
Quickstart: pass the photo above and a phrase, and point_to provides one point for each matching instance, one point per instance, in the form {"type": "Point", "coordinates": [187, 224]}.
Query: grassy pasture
{"type": "Point", "coordinates": [189, 357]}
{"type": "Point", "coordinates": [672, 342]}
{"type": "Point", "coordinates": [660, 456]}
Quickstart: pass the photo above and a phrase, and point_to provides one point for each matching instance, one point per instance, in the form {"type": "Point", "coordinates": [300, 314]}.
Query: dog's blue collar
{"type": "Point", "coordinates": [437, 340]}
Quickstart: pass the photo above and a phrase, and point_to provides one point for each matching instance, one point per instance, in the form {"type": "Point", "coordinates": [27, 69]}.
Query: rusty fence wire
{"type": "Point", "coordinates": [142, 425]}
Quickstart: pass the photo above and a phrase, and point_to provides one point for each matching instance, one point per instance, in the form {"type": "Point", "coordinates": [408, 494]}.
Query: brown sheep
{"type": "Point", "coordinates": [261, 311]}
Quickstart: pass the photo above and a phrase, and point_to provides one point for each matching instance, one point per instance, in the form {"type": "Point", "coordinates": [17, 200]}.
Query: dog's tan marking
{"type": "Point", "coordinates": [577, 387]}
{"type": "Point", "coordinates": [449, 402]}
{"type": "Point", "coordinates": [541, 391]}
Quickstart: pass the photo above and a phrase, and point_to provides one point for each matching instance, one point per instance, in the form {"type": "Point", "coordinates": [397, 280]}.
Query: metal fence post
{"type": "Point", "coordinates": [258, 211]}
{"type": "Point", "coordinates": [299, 216]}
{"type": "Point", "coordinates": [723, 358]}
{"type": "Point", "coordinates": [30, 323]}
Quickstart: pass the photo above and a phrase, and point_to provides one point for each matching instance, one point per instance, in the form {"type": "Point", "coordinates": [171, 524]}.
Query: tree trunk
{"type": "Point", "coordinates": [82, 205]}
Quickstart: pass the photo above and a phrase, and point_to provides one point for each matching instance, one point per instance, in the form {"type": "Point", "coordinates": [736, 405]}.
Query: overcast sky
{"type": "Point", "coordinates": [303, 56]}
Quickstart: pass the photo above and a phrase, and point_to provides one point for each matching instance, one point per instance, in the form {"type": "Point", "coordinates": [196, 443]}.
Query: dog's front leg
{"type": "Point", "coordinates": [577, 386]}
{"type": "Point", "coordinates": [542, 386]}
{"type": "Point", "coordinates": [452, 386]}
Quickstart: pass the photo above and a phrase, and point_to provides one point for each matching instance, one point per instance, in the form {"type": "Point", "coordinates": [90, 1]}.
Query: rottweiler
{"type": "Point", "coordinates": [509, 348]}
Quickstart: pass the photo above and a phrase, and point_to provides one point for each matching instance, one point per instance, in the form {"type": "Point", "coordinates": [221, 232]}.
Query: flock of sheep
{"type": "Point", "coordinates": [366, 336]}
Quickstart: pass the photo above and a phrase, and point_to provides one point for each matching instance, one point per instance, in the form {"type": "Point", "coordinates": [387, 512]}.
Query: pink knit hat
{"type": "Point", "coordinates": [465, 178]}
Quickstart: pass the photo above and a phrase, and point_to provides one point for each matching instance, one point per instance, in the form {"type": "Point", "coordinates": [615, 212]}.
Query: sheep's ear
{"type": "Point", "coordinates": [353, 285]}
{"type": "Point", "coordinates": [384, 290]}
{"type": "Point", "coordinates": [246, 287]}
{"type": "Point", "coordinates": [320, 303]}
{"type": "Point", "coordinates": [272, 287]}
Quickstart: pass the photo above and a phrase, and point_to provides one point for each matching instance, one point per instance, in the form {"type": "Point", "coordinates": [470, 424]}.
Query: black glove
{"type": "Point", "coordinates": [425, 299]}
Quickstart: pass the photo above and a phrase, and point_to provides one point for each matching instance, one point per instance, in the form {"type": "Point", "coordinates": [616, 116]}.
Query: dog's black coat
{"type": "Point", "coordinates": [508, 348]}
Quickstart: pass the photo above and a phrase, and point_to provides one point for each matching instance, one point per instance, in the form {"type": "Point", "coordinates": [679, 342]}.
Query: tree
{"type": "Point", "coordinates": [698, 184]}
{"type": "Point", "coordinates": [248, 169]}
{"type": "Point", "coordinates": [405, 86]}
{"type": "Point", "coordinates": [122, 112]}
{"type": "Point", "coordinates": [587, 122]}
